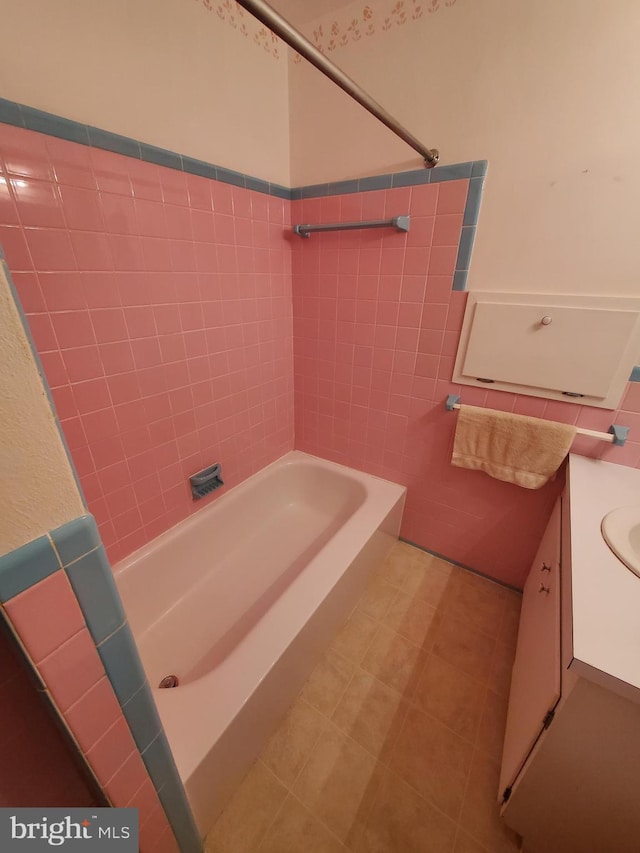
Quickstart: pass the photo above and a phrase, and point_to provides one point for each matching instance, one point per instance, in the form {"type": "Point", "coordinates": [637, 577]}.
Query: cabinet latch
{"type": "Point", "coordinates": [548, 719]}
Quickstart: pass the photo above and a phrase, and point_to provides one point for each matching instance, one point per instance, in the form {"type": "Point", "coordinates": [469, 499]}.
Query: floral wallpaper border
{"type": "Point", "coordinates": [330, 37]}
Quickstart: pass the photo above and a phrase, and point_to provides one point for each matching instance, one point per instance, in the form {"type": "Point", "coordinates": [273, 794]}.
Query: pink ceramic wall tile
{"type": "Point", "coordinates": [167, 843]}
{"type": "Point", "coordinates": [447, 229]}
{"type": "Point", "coordinates": [186, 357]}
{"type": "Point", "coordinates": [127, 780]}
{"type": "Point", "coordinates": [14, 246]}
{"type": "Point", "coordinates": [452, 197]}
{"type": "Point", "coordinates": [409, 435]}
{"type": "Point", "coordinates": [111, 751]}
{"type": "Point", "coordinates": [46, 615]}
{"type": "Point", "coordinates": [631, 399]}
{"type": "Point", "coordinates": [37, 202]}
{"type": "Point", "coordinates": [152, 829]}
{"type": "Point", "coordinates": [72, 669]}
{"type": "Point", "coordinates": [8, 211]}
{"type": "Point", "coordinates": [50, 249]}
{"type": "Point", "coordinates": [424, 200]}
{"type": "Point", "coordinates": [150, 284]}
{"type": "Point", "coordinates": [70, 167]}
{"type": "Point", "coordinates": [93, 714]}
{"type": "Point", "coordinates": [37, 767]}
{"type": "Point", "coordinates": [25, 154]}
{"type": "Point", "coordinates": [81, 208]}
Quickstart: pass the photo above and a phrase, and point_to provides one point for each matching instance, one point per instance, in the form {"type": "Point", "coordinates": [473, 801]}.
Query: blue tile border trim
{"type": "Point", "coordinates": [122, 663]}
{"type": "Point", "coordinates": [76, 548]}
{"type": "Point", "coordinates": [75, 539]}
{"type": "Point", "coordinates": [158, 759]}
{"type": "Point", "coordinates": [21, 115]}
{"type": "Point", "coordinates": [142, 716]}
{"type": "Point", "coordinates": [94, 587]}
{"type": "Point", "coordinates": [635, 374]}
{"type": "Point", "coordinates": [27, 566]}
{"type": "Point", "coordinates": [475, 171]}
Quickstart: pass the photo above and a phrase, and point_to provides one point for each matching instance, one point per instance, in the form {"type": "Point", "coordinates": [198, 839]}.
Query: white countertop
{"type": "Point", "coordinates": [605, 594]}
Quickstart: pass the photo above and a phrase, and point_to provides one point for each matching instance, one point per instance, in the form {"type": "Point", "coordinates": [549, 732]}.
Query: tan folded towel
{"type": "Point", "coordinates": [515, 448]}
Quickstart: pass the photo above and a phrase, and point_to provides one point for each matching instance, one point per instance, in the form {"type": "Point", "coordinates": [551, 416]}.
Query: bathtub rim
{"type": "Point", "coordinates": [290, 457]}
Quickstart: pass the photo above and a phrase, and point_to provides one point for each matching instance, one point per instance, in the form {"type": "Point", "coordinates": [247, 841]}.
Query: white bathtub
{"type": "Point", "coordinates": [241, 599]}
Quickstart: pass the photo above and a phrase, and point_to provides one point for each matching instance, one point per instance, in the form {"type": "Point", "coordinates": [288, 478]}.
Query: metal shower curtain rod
{"type": "Point", "coordinates": [281, 27]}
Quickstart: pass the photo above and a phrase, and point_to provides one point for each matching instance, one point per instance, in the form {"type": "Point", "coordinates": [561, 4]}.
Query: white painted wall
{"type": "Point", "coordinates": [547, 91]}
{"type": "Point", "coordinates": [167, 72]}
{"type": "Point", "coordinates": [37, 488]}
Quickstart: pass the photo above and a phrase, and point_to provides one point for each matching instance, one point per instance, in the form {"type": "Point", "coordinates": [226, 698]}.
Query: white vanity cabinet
{"type": "Point", "coordinates": [570, 780]}
{"type": "Point", "coordinates": [535, 683]}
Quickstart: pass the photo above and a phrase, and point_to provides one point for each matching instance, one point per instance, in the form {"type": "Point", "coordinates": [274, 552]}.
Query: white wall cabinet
{"type": "Point", "coordinates": [570, 779]}
{"type": "Point", "coordinates": [542, 344]}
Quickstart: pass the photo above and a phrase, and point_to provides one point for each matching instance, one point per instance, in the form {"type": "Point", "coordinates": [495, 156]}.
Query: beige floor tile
{"type": "Point", "coordinates": [433, 760]}
{"type": "Point", "coordinates": [376, 598]}
{"type": "Point", "coordinates": [413, 618]}
{"type": "Point", "coordinates": [501, 667]}
{"type": "Point", "coordinates": [451, 696]}
{"type": "Point", "coordinates": [326, 684]}
{"type": "Point", "coordinates": [402, 822]}
{"type": "Point", "coordinates": [464, 646]}
{"type": "Point", "coordinates": [511, 618]}
{"type": "Point", "coordinates": [290, 746]}
{"type": "Point", "coordinates": [371, 713]}
{"type": "Point", "coordinates": [466, 844]}
{"type": "Point", "coordinates": [429, 579]}
{"type": "Point", "coordinates": [492, 725]}
{"type": "Point", "coordinates": [338, 782]}
{"type": "Point", "coordinates": [475, 600]}
{"type": "Point", "coordinates": [424, 631]}
{"type": "Point", "coordinates": [399, 565]}
{"type": "Point", "coordinates": [480, 813]}
{"type": "Point", "coordinates": [245, 821]}
{"type": "Point", "coordinates": [355, 636]}
{"type": "Point", "coordinates": [481, 583]}
{"type": "Point", "coordinates": [394, 660]}
{"type": "Point", "coordinates": [296, 830]}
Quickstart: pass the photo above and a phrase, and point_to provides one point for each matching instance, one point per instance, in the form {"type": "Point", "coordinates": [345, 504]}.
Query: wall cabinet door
{"type": "Point", "coordinates": [535, 683]}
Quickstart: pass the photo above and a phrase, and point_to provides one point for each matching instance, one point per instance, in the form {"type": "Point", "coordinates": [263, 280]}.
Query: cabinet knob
{"type": "Point", "coordinates": [544, 588]}
{"type": "Point", "coordinates": [545, 568]}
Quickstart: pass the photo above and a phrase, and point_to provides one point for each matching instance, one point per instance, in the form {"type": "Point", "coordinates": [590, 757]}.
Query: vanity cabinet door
{"type": "Point", "coordinates": [535, 683]}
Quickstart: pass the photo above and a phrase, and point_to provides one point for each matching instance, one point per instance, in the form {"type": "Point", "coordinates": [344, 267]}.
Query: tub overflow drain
{"type": "Point", "coordinates": [169, 681]}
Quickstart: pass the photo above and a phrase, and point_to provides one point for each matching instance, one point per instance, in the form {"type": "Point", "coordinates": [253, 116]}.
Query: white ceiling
{"type": "Point", "coordinates": [301, 11]}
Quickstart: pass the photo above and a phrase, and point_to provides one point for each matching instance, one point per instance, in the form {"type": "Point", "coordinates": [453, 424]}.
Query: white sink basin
{"type": "Point", "coordinates": [621, 532]}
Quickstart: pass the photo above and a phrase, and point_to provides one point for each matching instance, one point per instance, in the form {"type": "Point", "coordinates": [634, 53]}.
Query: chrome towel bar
{"type": "Point", "coordinates": [399, 222]}
{"type": "Point", "coordinates": [617, 434]}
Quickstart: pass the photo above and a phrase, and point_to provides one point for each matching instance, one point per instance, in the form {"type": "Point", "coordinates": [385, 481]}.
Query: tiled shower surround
{"type": "Point", "coordinates": [161, 305]}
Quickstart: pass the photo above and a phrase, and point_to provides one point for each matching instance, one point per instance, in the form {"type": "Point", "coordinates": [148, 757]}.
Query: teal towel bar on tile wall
{"type": "Point", "coordinates": [616, 435]}
{"type": "Point", "coordinates": [399, 222]}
